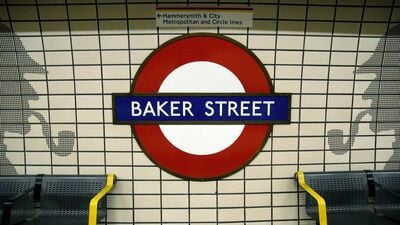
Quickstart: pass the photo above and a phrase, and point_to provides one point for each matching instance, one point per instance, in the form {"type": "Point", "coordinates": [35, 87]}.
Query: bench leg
{"type": "Point", "coordinates": [7, 207]}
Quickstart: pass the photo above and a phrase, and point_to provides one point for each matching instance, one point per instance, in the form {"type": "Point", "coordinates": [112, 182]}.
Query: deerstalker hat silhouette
{"type": "Point", "coordinates": [386, 55]}
{"type": "Point", "coordinates": [14, 60]}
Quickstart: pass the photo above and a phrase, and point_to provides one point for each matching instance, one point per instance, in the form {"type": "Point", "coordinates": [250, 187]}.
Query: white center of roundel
{"type": "Point", "coordinates": [201, 77]}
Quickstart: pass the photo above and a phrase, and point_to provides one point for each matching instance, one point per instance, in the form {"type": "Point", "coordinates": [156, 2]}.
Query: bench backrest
{"type": "Point", "coordinates": [70, 195]}
{"type": "Point", "coordinates": [342, 191]}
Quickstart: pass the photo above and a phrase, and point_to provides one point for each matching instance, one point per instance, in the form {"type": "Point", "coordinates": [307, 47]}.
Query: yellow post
{"type": "Point", "coordinates": [95, 200]}
{"type": "Point", "coordinates": [320, 201]}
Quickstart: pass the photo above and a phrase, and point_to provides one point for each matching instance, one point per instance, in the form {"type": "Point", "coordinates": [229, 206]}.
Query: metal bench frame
{"type": "Point", "coordinates": [387, 193]}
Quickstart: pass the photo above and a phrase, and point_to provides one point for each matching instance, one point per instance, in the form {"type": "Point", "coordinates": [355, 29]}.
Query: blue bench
{"type": "Point", "coordinates": [54, 199]}
{"type": "Point", "coordinates": [345, 197]}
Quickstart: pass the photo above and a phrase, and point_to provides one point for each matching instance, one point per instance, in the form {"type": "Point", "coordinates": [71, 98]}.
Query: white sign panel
{"type": "Point", "coordinates": [204, 17]}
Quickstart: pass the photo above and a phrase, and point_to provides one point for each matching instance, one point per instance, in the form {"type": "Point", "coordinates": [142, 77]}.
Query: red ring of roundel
{"type": "Point", "coordinates": [192, 48]}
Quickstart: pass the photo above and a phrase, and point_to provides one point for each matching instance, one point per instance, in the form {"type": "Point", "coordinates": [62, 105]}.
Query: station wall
{"type": "Point", "coordinates": [340, 60]}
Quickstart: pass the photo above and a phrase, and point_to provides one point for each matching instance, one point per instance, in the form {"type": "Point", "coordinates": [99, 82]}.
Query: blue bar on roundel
{"type": "Point", "coordinates": [181, 109]}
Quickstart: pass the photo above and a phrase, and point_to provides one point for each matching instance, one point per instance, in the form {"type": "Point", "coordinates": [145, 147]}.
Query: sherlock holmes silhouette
{"type": "Point", "coordinates": [384, 94]}
{"type": "Point", "coordinates": [15, 94]}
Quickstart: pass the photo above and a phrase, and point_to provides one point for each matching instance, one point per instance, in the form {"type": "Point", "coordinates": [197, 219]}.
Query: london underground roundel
{"type": "Point", "coordinates": [201, 106]}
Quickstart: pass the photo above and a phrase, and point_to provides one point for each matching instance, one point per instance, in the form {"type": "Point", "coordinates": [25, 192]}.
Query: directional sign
{"type": "Point", "coordinates": [204, 17]}
{"type": "Point", "coordinates": [201, 106]}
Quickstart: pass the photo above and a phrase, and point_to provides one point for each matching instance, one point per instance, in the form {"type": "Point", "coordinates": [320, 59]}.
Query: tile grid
{"type": "Point", "coordinates": [221, 202]}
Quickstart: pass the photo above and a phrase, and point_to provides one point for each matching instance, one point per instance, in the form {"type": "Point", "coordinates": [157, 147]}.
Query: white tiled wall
{"type": "Point", "coordinates": [91, 51]}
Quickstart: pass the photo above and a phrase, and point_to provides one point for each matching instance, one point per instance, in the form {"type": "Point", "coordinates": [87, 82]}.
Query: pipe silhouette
{"type": "Point", "coordinates": [66, 138]}
{"type": "Point", "coordinates": [336, 137]}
